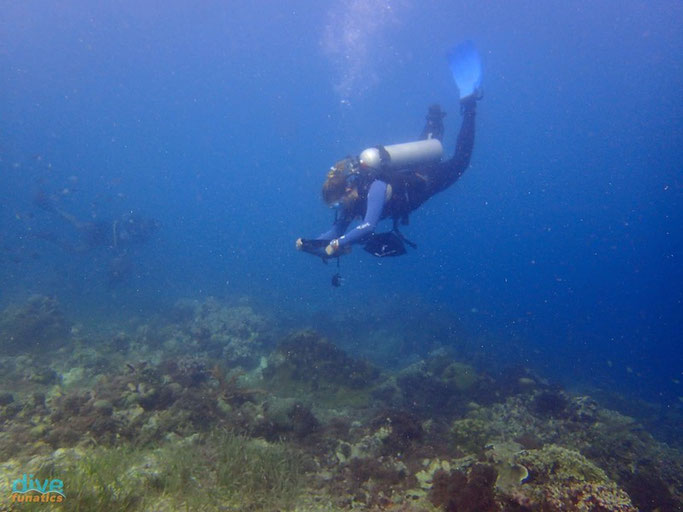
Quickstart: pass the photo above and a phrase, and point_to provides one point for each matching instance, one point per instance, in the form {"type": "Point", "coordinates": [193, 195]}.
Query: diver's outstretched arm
{"type": "Point", "coordinates": [47, 203]}
{"type": "Point", "coordinates": [335, 241]}
{"type": "Point", "coordinates": [52, 238]}
{"type": "Point", "coordinates": [316, 246]}
{"type": "Point", "coordinates": [71, 219]}
{"type": "Point", "coordinates": [337, 230]}
{"type": "Point", "coordinates": [373, 212]}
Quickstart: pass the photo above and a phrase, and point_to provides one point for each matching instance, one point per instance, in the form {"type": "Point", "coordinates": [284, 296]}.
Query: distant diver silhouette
{"type": "Point", "coordinates": [117, 236]}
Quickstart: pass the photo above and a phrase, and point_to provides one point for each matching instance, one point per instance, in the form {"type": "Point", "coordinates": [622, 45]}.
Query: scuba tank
{"type": "Point", "coordinates": [399, 156]}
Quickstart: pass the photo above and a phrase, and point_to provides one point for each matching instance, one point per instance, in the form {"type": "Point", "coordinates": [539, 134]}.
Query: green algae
{"type": "Point", "coordinates": [221, 471]}
{"type": "Point", "coordinates": [249, 472]}
{"type": "Point", "coordinates": [100, 479]}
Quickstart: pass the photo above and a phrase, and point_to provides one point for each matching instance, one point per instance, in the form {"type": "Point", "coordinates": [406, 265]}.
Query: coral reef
{"type": "Point", "coordinates": [235, 333]}
{"type": "Point", "coordinates": [201, 409]}
{"type": "Point", "coordinates": [404, 430]}
{"type": "Point", "coordinates": [306, 364]}
{"type": "Point", "coordinates": [439, 386]}
{"type": "Point", "coordinates": [550, 403]}
{"type": "Point", "coordinates": [460, 492]}
{"type": "Point", "coordinates": [37, 326]}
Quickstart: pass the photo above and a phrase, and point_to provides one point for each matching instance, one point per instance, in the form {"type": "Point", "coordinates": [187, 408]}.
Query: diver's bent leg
{"type": "Point", "coordinates": [465, 143]}
{"type": "Point", "coordinates": [434, 127]}
{"type": "Point", "coordinates": [452, 169]}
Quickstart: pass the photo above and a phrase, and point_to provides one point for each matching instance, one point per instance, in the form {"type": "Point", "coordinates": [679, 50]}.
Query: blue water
{"type": "Point", "coordinates": [559, 248]}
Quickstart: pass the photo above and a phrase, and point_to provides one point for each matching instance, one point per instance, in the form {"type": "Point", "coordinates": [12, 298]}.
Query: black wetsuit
{"type": "Point", "coordinates": [410, 188]}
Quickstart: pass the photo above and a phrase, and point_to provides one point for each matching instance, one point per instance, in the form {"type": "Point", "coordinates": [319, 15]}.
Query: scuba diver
{"type": "Point", "coordinates": [118, 236]}
{"type": "Point", "coordinates": [389, 182]}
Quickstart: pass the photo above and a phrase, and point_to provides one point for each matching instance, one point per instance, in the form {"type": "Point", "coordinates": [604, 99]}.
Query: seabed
{"type": "Point", "coordinates": [210, 407]}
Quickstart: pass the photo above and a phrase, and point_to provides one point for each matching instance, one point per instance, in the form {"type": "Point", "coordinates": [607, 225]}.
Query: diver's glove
{"type": "Point", "coordinates": [332, 247]}
{"type": "Point", "coordinates": [324, 248]}
{"type": "Point", "coordinates": [311, 245]}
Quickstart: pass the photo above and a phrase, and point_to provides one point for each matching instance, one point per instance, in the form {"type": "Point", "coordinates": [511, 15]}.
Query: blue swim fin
{"type": "Point", "coordinates": [465, 64]}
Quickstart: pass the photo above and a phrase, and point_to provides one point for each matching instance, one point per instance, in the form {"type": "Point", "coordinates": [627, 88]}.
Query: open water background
{"type": "Point", "coordinates": [560, 248]}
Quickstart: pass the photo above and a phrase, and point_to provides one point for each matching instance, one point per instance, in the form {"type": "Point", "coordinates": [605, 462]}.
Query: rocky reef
{"type": "Point", "coordinates": [209, 407]}
{"type": "Point", "coordinates": [37, 326]}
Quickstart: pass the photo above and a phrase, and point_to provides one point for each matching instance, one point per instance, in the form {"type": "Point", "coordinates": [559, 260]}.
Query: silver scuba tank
{"type": "Point", "coordinates": [398, 156]}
